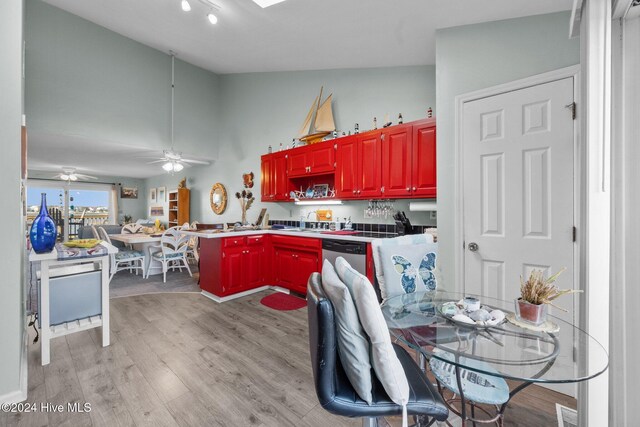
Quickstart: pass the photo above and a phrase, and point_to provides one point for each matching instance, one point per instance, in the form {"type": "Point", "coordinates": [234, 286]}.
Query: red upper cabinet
{"type": "Point", "coordinates": [281, 184]}
{"type": "Point", "coordinates": [316, 159]}
{"type": "Point", "coordinates": [424, 169]}
{"type": "Point", "coordinates": [266, 178]}
{"type": "Point", "coordinates": [358, 166]}
{"type": "Point", "coordinates": [274, 183]}
{"type": "Point", "coordinates": [409, 160]}
{"type": "Point", "coordinates": [370, 165]}
{"type": "Point", "coordinates": [396, 161]}
{"type": "Point", "coordinates": [347, 167]}
{"type": "Point", "coordinates": [298, 162]}
{"type": "Point", "coordinates": [322, 158]}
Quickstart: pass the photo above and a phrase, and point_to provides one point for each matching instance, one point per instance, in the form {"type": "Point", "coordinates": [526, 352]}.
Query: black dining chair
{"type": "Point", "coordinates": [334, 391]}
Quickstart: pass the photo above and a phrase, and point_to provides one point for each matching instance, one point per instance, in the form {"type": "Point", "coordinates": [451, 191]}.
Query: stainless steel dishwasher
{"type": "Point", "coordinates": [355, 253]}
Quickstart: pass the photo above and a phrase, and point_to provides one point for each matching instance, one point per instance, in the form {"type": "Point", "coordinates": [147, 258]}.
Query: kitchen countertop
{"type": "Point", "coordinates": [361, 236]}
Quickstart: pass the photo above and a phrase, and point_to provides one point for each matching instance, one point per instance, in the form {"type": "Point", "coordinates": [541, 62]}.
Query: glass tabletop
{"type": "Point", "coordinates": [505, 350]}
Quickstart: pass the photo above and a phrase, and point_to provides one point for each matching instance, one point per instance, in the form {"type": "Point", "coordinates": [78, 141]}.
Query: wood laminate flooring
{"type": "Point", "coordinates": [182, 359]}
{"type": "Point", "coordinates": [126, 284]}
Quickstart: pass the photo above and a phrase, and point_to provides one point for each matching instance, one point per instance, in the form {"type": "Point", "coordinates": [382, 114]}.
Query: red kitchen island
{"type": "Point", "coordinates": [238, 263]}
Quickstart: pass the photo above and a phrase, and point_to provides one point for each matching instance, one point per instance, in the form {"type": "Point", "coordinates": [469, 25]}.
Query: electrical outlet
{"type": "Point", "coordinates": [434, 215]}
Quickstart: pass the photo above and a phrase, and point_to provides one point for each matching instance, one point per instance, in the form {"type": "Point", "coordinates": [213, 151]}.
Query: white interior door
{"type": "Point", "coordinates": [518, 179]}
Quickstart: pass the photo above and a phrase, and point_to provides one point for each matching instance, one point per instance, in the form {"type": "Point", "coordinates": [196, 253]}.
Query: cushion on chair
{"type": "Point", "coordinates": [414, 239]}
{"type": "Point", "coordinates": [122, 255]}
{"type": "Point", "coordinates": [353, 344]}
{"type": "Point", "coordinates": [408, 269]}
{"type": "Point", "coordinates": [334, 390]}
{"type": "Point", "coordinates": [478, 387]}
{"type": "Point", "coordinates": [383, 358]}
{"type": "Point", "coordinates": [158, 255]}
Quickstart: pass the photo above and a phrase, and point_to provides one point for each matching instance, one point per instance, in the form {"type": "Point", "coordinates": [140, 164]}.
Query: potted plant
{"type": "Point", "coordinates": [535, 294]}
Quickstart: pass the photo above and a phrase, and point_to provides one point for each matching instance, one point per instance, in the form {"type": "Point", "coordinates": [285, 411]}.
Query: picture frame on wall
{"type": "Point", "coordinates": [153, 195]}
{"type": "Point", "coordinates": [161, 195]}
{"type": "Point", "coordinates": [157, 211]}
{"type": "Point", "coordinates": [128, 192]}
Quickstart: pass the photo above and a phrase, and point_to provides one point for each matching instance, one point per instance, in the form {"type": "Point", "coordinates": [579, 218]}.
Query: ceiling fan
{"type": "Point", "coordinates": [172, 160]}
{"type": "Point", "coordinates": [69, 174]}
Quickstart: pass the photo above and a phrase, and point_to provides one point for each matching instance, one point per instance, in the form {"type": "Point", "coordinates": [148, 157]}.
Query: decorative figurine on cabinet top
{"type": "Point", "coordinates": [319, 121]}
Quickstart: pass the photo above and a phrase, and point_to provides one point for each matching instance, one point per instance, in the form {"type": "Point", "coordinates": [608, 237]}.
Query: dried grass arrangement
{"type": "Point", "coordinates": [246, 200]}
{"type": "Point", "coordinates": [540, 290]}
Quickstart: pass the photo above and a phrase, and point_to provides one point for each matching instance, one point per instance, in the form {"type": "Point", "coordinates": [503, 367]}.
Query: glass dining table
{"type": "Point", "coordinates": [507, 350]}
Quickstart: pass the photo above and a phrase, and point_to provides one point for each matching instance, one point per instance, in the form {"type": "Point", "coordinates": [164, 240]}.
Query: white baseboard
{"type": "Point", "coordinates": [21, 394]}
{"type": "Point", "coordinates": [243, 293]}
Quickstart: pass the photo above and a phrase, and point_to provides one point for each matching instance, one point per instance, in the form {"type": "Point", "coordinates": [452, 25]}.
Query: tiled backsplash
{"type": "Point", "coordinates": [379, 228]}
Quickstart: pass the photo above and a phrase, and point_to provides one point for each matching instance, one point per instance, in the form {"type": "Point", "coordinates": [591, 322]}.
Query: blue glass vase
{"type": "Point", "coordinates": [43, 230]}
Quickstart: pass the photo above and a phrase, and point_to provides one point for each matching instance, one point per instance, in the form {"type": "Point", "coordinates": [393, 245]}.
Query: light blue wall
{"type": "Point", "coordinates": [12, 315]}
{"type": "Point", "coordinates": [258, 109]}
{"type": "Point", "coordinates": [473, 57]}
{"type": "Point", "coordinates": [87, 81]}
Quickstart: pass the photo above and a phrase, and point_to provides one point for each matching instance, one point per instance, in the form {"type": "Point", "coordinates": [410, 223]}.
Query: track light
{"type": "Point", "coordinates": [186, 6]}
{"type": "Point", "coordinates": [212, 18]}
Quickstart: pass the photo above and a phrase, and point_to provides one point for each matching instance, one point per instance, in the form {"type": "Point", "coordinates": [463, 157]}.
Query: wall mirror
{"type": "Point", "coordinates": [218, 198]}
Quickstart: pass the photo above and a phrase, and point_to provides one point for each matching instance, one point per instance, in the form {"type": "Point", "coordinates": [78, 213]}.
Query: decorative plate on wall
{"type": "Point", "coordinates": [218, 198]}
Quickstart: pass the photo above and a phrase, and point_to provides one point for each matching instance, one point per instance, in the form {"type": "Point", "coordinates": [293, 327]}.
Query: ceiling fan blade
{"type": "Point", "coordinates": [157, 161]}
{"type": "Point", "coordinates": [83, 176]}
{"type": "Point", "coordinates": [197, 162]}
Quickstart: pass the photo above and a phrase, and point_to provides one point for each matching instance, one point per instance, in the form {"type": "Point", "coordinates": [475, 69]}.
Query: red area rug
{"type": "Point", "coordinates": [283, 302]}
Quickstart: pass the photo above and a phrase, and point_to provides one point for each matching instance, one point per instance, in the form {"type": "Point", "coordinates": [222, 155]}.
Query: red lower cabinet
{"type": "Point", "coordinates": [294, 259]}
{"type": "Point", "coordinates": [231, 265]}
{"type": "Point", "coordinates": [232, 274]}
{"type": "Point", "coordinates": [292, 267]}
{"type": "Point", "coordinates": [306, 264]}
{"type": "Point", "coordinates": [283, 273]}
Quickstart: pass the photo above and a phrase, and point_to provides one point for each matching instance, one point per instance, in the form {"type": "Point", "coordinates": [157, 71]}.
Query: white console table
{"type": "Point", "coordinates": [47, 262]}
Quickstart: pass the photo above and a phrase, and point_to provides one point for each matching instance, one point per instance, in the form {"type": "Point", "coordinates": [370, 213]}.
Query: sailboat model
{"type": "Point", "coordinates": [319, 121]}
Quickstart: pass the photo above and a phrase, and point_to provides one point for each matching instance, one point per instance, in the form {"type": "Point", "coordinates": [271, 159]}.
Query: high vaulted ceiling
{"type": "Point", "coordinates": [298, 34]}
{"type": "Point", "coordinates": [52, 153]}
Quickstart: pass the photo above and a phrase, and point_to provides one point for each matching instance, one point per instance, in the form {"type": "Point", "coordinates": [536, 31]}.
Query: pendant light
{"type": "Point", "coordinates": [172, 165]}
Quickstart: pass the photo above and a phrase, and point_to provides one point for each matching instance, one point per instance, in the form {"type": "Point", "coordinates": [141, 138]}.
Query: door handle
{"type": "Point", "coordinates": [473, 247]}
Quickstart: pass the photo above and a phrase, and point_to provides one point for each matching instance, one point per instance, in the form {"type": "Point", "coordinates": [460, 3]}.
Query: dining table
{"type": "Point", "coordinates": [512, 350]}
{"type": "Point", "coordinates": [140, 242]}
